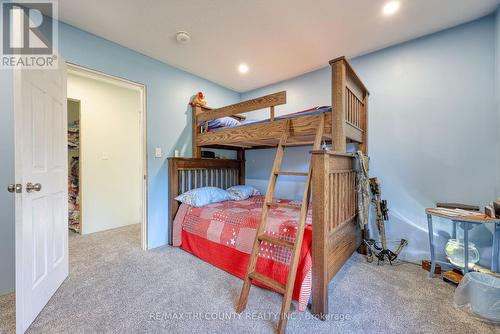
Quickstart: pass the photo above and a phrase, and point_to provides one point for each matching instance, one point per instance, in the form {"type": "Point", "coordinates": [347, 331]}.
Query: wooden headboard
{"type": "Point", "coordinates": [190, 173]}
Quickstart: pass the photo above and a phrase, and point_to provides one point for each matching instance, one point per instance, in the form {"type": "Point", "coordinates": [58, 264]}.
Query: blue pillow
{"type": "Point", "coordinates": [226, 122]}
{"type": "Point", "coordinates": [239, 193]}
{"type": "Point", "coordinates": [202, 196]}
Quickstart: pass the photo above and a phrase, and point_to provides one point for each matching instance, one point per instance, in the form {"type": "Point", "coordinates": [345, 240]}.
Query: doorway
{"type": "Point", "coordinates": [41, 178]}
{"type": "Point", "coordinates": [106, 152]}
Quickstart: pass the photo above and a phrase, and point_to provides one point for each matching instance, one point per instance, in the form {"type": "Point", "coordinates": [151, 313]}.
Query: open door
{"type": "Point", "coordinates": [41, 189]}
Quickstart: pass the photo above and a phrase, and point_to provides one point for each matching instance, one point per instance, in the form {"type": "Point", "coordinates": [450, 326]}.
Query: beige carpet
{"type": "Point", "coordinates": [8, 313]}
{"type": "Point", "coordinates": [115, 287]}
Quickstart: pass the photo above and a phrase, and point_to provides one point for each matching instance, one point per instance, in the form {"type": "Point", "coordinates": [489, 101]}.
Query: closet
{"type": "Point", "coordinates": [74, 203]}
{"type": "Point", "coordinates": [105, 152]}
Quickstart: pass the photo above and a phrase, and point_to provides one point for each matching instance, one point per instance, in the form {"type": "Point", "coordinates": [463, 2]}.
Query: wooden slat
{"type": "Point", "coordinates": [364, 125]}
{"type": "Point", "coordinates": [357, 113]}
{"type": "Point", "coordinates": [351, 106]}
{"type": "Point", "coordinates": [356, 118]}
{"type": "Point", "coordinates": [191, 179]}
{"type": "Point", "coordinates": [282, 205]}
{"type": "Point", "coordinates": [245, 106]}
{"type": "Point", "coordinates": [179, 180]}
{"type": "Point", "coordinates": [337, 200]}
{"type": "Point", "coordinates": [331, 204]}
{"type": "Point", "coordinates": [353, 133]}
{"type": "Point", "coordinates": [267, 281]}
{"type": "Point", "coordinates": [291, 173]}
{"type": "Point", "coordinates": [239, 145]}
{"type": "Point", "coordinates": [198, 178]}
{"type": "Point", "coordinates": [300, 143]}
{"type": "Point", "coordinates": [350, 109]}
{"type": "Point", "coordinates": [354, 194]}
{"type": "Point", "coordinates": [276, 241]}
{"type": "Point", "coordinates": [345, 199]}
{"type": "Point", "coordinates": [219, 178]}
{"type": "Point", "coordinates": [190, 163]}
{"type": "Point", "coordinates": [351, 193]}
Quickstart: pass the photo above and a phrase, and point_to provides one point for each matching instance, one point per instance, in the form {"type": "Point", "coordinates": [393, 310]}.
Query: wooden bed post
{"type": "Point", "coordinates": [173, 191]}
{"type": "Point", "coordinates": [320, 197]}
{"type": "Point", "coordinates": [364, 124]}
{"type": "Point", "coordinates": [338, 104]}
{"type": "Point", "coordinates": [196, 130]}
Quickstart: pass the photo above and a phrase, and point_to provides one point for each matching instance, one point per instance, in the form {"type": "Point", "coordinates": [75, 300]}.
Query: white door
{"type": "Point", "coordinates": [41, 213]}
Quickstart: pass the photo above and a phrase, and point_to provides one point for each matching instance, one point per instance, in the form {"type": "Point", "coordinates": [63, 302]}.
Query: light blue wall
{"type": "Point", "coordinates": [7, 264]}
{"type": "Point", "coordinates": [169, 117]}
{"type": "Point", "coordinates": [497, 72]}
{"type": "Point", "coordinates": [168, 125]}
{"type": "Point", "coordinates": [432, 125]}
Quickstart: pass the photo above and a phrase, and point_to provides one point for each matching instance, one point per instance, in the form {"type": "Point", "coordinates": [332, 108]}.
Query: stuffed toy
{"type": "Point", "coordinates": [199, 100]}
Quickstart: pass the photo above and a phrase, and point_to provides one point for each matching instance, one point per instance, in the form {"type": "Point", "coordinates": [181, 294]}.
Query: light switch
{"type": "Point", "coordinates": [105, 156]}
{"type": "Point", "coordinates": [158, 152]}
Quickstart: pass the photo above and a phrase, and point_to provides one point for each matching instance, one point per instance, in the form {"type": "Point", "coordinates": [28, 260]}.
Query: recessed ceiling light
{"type": "Point", "coordinates": [391, 7]}
{"type": "Point", "coordinates": [243, 68]}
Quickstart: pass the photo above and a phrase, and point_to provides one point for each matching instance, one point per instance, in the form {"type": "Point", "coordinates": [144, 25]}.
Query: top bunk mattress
{"type": "Point", "coordinates": [220, 124]}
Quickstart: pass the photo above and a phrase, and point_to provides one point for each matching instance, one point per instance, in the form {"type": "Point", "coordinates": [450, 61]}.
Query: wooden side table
{"type": "Point", "coordinates": [467, 223]}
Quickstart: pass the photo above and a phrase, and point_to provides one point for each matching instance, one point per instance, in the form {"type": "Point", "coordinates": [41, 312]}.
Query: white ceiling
{"type": "Point", "coordinates": [278, 39]}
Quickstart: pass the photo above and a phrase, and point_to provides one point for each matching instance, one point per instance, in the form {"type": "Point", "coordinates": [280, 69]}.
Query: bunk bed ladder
{"type": "Point", "coordinates": [295, 246]}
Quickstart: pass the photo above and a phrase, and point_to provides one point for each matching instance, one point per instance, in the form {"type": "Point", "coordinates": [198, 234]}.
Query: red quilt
{"type": "Point", "coordinates": [223, 234]}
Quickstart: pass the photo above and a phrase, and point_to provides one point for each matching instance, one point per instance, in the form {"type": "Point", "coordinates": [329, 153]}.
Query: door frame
{"type": "Point", "coordinates": [143, 137]}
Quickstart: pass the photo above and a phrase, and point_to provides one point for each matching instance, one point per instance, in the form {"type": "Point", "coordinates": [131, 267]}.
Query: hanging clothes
{"type": "Point", "coordinates": [363, 189]}
{"type": "Point", "coordinates": [74, 176]}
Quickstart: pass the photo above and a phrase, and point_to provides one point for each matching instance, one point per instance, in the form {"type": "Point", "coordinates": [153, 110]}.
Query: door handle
{"type": "Point", "coordinates": [30, 187]}
{"type": "Point", "coordinates": [17, 188]}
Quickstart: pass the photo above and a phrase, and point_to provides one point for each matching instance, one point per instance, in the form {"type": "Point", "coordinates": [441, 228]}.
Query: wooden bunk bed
{"type": "Point", "coordinates": [335, 234]}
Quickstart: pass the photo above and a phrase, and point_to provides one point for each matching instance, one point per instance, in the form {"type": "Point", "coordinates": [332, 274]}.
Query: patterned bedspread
{"type": "Point", "coordinates": [233, 224]}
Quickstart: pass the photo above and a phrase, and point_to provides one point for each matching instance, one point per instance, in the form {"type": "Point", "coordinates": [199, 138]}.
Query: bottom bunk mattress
{"type": "Point", "coordinates": [222, 234]}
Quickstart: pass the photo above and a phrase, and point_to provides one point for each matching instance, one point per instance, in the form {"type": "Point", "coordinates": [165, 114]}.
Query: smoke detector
{"type": "Point", "coordinates": [182, 37]}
